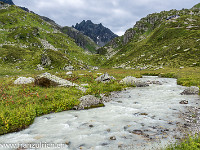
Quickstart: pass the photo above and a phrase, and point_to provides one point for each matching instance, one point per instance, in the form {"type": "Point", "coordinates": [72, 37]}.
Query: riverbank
{"type": "Point", "coordinates": [20, 104]}
{"type": "Point", "coordinates": [136, 118]}
{"type": "Point", "coordinates": [191, 129]}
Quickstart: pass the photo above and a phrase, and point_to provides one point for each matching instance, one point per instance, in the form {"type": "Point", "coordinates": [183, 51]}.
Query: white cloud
{"type": "Point", "coordinates": [118, 15]}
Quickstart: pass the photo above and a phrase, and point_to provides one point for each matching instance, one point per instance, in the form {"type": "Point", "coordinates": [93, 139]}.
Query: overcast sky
{"type": "Point", "coordinates": [117, 15]}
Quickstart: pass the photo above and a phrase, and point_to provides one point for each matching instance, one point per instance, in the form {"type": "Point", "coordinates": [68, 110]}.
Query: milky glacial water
{"type": "Point", "coordinates": [138, 118]}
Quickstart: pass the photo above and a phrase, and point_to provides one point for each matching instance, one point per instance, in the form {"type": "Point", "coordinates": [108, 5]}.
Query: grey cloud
{"type": "Point", "coordinates": [118, 15]}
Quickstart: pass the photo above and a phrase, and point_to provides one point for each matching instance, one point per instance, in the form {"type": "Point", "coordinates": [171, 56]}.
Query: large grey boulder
{"type": "Point", "coordinates": [24, 80]}
{"type": "Point", "coordinates": [48, 80]}
{"type": "Point", "coordinates": [128, 80]}
{"type": "Point", "coordinates": [105, 78]}
{"type": "Point", "coordinates": [88, 101]}
{"type": "Point", "coordinates": [193, 90]}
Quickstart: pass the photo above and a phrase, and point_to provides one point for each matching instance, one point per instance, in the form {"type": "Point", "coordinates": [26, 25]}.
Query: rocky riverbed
{"type": "Point", "coordinates": [137, 118]}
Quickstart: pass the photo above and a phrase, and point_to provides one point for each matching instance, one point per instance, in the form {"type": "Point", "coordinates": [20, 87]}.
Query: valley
{"type": "Point", "coordinates": [163, 45]}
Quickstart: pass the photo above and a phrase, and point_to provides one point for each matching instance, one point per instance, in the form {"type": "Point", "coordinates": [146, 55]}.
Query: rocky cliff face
{"type": "Point", "coordinates": [97, 32]}
{"type": "Point", "coordinates": [147, 24]}
{"type": "Point", "coordinates": [52, 22]}
{"type": "Point", "coordinates": [8, 2]}
{"type": "Point", "coordinates": [80, 39]}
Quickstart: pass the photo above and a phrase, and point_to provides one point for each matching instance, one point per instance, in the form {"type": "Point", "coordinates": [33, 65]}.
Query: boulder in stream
{"type": "Point", "coordinates": [138, 132]}
{"type": "Point", "coordinates": [183, 102]}
{"type": "Point", "coordinates": [112, 138]}
{"type": "Point", "coordinates": [89, 101]}
{"type": "Point", "coordinates": [193, 90]}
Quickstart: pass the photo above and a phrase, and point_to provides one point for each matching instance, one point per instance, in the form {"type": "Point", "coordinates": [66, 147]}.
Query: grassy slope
{"type": "Point", "coordinates": [172, 43]}
{"type": "Point", "coordinates": [197, 6]}
{"type": "Point", "coordinates": [20, 40]}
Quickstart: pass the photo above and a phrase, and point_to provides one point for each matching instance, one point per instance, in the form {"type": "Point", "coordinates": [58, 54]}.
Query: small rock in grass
{"type": "Point", "coordinates": [69, 73]}
{"type": "Point", "coordinates": [68, 68]}
{"type": "Point", "coordinates": [105, 78]}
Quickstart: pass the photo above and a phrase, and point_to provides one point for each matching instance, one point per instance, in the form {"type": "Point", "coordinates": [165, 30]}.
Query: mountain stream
{"type": "Point", "coordinates": [136, 118]}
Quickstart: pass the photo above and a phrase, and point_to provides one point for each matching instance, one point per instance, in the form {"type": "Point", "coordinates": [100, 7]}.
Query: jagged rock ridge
{"type": "Point", "coordinates": [97, 32]}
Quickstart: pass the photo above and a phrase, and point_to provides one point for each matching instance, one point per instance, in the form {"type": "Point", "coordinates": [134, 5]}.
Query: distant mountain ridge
{"type": "Point", "coordinates": [97, 32]}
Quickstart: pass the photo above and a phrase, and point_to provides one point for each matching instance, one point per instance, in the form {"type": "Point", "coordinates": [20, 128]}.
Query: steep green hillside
{"type": "Point", "coordinates": [196, 6]}
{"type": "Point", "coordinates": [170, 38]}
{"type": "Point", "coordinates": [26, 41]}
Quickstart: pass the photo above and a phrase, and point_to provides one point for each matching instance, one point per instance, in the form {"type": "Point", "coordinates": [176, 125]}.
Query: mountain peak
{"type": "Point", "coordinates": [7, 2]}
{"type": "Point", "coordinates": [97, 32]}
